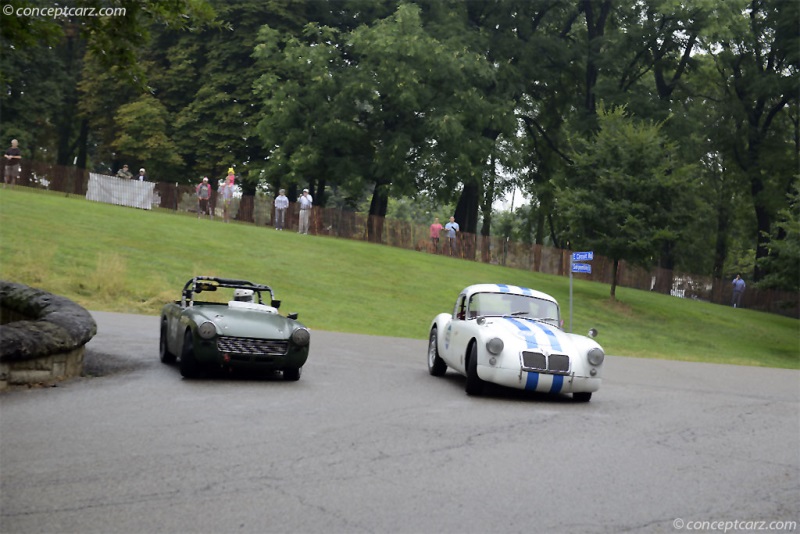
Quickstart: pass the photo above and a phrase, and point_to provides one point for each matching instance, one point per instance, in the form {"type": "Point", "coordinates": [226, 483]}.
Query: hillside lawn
{"type": "Point", "coordinates": [112, 258]}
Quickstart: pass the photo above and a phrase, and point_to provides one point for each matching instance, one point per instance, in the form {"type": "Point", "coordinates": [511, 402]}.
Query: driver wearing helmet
{"type": "Point", "coordinates": [243, 295]}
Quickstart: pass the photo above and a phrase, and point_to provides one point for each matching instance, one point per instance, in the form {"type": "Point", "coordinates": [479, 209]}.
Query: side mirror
{"type": "Point", "coordinates": [276, 304]}
{"type": "Point", "coordinates": [292, 315]}
{"type": "Point", "coordinates": [592, 332]}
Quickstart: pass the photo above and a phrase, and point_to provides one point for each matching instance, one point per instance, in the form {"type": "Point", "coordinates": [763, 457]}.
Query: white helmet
{"type": "Point", "coordinates": [243, 295]}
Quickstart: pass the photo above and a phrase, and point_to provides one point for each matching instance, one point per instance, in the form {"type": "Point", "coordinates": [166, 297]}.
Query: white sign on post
{"type": "Point", "coordinates": [581, 268]}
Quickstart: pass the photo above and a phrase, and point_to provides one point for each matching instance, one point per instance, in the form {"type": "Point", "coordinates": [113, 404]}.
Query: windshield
{"type": "Point", "coordinates": [499, 304]}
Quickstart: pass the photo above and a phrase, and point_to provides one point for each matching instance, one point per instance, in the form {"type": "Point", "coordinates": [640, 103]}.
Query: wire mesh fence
{"type": "Point", "coordinates": [258, 210]}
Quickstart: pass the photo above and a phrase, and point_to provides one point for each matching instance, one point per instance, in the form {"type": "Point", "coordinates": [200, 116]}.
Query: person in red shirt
{"type": "Point", "coordinates": [436, 227]}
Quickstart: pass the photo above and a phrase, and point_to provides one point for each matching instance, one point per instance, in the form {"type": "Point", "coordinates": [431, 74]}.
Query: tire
{"type": "Point", "coordinates": [474, 383]}
{"type": "Point", "coordinates": [292, 374]}
{"type": "Point", "coordinates": [436, 365]}
{"type": "Point", "coordinates": [163, 350]}
{"type": "Point", "coordinates": [189, 366]}
{"type": "Point", "coordinates": [582, 396]}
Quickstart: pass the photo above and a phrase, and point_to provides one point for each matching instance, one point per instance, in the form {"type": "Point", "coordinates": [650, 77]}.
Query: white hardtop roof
{"type": "Point", "coordinates": [504, 288]}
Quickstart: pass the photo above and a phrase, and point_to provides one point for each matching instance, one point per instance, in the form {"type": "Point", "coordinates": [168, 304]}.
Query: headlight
{"type": "Point", "coordinates": [596, 356]}
{"type": "Point", "coordinates": [207, 330]}
{"type": "Point", "coordinates": [301, 337]}
{"type": "Point", "coordinates": [495, 345]}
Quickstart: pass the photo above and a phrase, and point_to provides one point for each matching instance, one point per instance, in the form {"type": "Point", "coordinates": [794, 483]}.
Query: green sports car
{"type": "Point", "coordinates": [232, 328]}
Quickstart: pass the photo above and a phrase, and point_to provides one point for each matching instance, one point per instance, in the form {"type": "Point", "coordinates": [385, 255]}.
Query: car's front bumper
{"type": "Point", "coordinates": [208, 353]}
{"type": "Point", "coordinates": [541, 382]}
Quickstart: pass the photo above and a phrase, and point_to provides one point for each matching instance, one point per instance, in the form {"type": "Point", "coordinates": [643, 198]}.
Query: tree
{"type": "Point", "coordinates": [114, 42]}
{"type": "Point", "coordinates": [386, 105]}
{"type": "Point", "coordinates": [617, 198]}
{"type": "Point", "coordinates": [784, 258]}
{"type": "Point", "coordinates": [143, 137]}
{"type": "Point", "coordinates": [755, 49]}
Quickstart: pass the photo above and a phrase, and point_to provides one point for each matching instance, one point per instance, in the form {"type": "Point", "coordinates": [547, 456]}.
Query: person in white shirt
{"type": "Point", "coordinates": [281, 203]}
{"type": "Point", "coordinates": [305, 203]}
{"type": "Point", "coordinates": [451, 228]}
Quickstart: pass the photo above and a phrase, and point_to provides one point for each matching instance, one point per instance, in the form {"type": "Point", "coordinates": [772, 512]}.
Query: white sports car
{"type": "Point", "coordinates": [512, 336]}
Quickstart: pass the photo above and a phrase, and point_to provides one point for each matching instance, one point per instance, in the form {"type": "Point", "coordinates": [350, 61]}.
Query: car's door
{"type": "Point", "coordinates": [454, 342]}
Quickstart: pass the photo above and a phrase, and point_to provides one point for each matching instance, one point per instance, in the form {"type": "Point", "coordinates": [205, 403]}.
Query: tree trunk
{"type": "Point", "coordinates": [595, 26]}
{"type": "Point", "coordinates": [614, 272]}
{"type": "Point", "coordinates": [467, 209]}
{"type": "Point", "coordinates": [377, 212]}
{"type": "Point", "coordinates": [83, 145]}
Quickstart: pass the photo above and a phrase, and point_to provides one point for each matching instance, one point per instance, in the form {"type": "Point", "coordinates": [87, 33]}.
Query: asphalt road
{"type": "Point", "coordinates": [368, 442]}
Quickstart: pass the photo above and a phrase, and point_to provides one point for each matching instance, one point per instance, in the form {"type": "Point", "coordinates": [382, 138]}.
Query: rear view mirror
{"type": "Point", "coordinates": [292, 316]}
{"type": "Point", "coordinates": [592, 332]}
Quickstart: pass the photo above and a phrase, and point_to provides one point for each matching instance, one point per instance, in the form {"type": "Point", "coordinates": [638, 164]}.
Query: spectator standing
{"type": "Point", "coordinates": [436, 228]}
{"type": "Point", "coordinates": [124, 173]}
{"type": "Point", "coordinates": [281, 204]}
{"type": "Point", "coordinates": [203, 198]}
{"type": "Point", "coordinates": [452, 228]}
{"type": "Point", "coordinates": [305, 203]}
{"type": "Point", "coordinates": [13, 168]}
{"type": "Point", "coordinates": [226, 193]}
{"type": "Point", "coordinates": [142, 175]}
{"type": "Point", "coordinates": [738, 290]}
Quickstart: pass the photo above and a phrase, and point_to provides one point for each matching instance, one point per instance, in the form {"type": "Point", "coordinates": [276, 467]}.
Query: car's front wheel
{"type": "Point", "coordinates": [190, 368]}
{"type": "Point", "coordinates": [292, 373]}
{"type": "Point", "coordinates": [163, 349]}
{"type": "Point", "coordinates": [582, 396]}
{"type": "Point", "coordinates": [436, 365]}
{"type": "Point", "coordinates": [474, 382]}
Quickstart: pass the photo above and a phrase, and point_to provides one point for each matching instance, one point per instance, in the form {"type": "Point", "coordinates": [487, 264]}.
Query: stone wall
{"type": "Point", "coordinates": [42, 336]}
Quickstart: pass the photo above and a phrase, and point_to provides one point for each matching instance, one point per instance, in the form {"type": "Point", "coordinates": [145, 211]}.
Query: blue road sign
{"type": "Point", "coordinates": [582, 256]}
{"type": "Point", "coordinates": [581, 268]}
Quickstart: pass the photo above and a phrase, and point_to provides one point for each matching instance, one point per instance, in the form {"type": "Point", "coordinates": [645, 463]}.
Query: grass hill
{"type": "Point", "coordinates": [111, 258]}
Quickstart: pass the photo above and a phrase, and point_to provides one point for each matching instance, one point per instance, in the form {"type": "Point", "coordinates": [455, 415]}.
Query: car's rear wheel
{"type": "Point", "coordinates": [474, 382]}
{"type": "Point", "coordinates": [292, 373]}
{"type": "Point", "coordinates": [582, 396]}
{"type": "Point", "coordinates": [190, 368]}
{"type": "Point", "coordinates": [436, 365]}
{"type": "Point", "coordinates": [163, 349]}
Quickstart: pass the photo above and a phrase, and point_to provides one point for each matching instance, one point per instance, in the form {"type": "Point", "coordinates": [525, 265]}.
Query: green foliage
{"type": "Point", "coordinates": [143, 138]}
{"type": "Point", "coordinates": [783, 263]}
{"type": "Point", "coordinates": [621, 194]}
{"type": "Point", "coordinates": [420, 209]}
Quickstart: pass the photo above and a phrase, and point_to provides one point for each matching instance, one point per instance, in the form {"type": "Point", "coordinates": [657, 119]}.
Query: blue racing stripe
{"type": "Point", "coordinates": [532, 381]}
{"type": "Point", "coordinates": [554, 344]}
{"type": "Point", "coordinates": [558, 381]}
{"type": "Point", "coordinates": [530, 337]}
{"type": "Point", "coordinates": [503, 288]}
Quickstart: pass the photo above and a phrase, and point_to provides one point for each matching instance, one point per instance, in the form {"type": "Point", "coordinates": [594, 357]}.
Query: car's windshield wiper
{"type": "Point", "coordinates": [528, 315]}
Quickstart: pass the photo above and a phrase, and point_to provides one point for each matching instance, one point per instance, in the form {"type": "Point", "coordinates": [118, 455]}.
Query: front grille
{"type": "Point", "coordinates": [536, 361]}
{"type": "Point", "coordinates": [559, 363]}
{"type": "Point", "coordinates": [249, 347]}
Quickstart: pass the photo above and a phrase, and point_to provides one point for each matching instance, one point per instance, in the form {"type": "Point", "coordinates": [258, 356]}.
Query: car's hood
{"type": "Point", "coordinates": [535, 334]}
{"type": "Point", "coordinates": [248, 323]}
